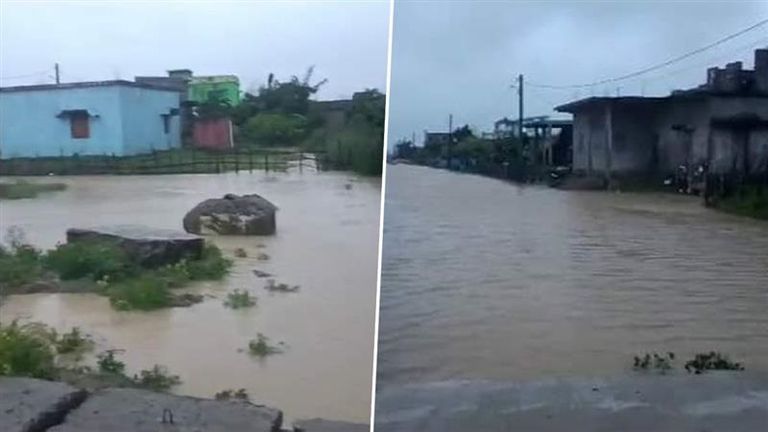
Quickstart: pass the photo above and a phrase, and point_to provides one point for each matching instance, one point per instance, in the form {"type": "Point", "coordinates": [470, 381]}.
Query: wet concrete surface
{"type": "Point", "coordinates": [717, 401]}
{"type": "Point", "coordinates": [31, 405]}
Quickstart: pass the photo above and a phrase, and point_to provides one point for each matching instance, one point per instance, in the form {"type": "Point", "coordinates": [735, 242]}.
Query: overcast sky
{"type": "Point", "coordinates": [461, 57]}
{"type": "Point", "coordinates": [100, 40]}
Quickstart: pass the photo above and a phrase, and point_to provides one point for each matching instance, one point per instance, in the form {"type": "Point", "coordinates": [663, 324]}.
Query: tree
{"type": "Point", "coordinates": [290, 97]}
{"type": "Point", "coordinates": [276, 129]}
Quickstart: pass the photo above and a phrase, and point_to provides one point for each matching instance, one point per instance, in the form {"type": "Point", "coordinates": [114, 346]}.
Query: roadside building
{"type": "Point", "coordinates": [719, 127]}
{"type": "Point", "coordinates": [88, 118]}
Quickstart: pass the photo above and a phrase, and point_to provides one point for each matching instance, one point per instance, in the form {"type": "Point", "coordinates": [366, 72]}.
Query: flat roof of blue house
{"type": "Point", "coordinates": [87, 84]}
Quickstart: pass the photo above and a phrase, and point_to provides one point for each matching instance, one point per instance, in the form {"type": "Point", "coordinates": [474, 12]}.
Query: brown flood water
{"type": "Point", "coordinates": [326, 242]}
{"type": "Point", "coordinates": [483, 279]}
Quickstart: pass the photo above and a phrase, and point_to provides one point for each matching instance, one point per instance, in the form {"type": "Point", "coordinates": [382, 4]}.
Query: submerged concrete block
{"type": "Point", "coordinates": [151, 247]}
{"type": "Point", "coordinates": [131, 410]}
{"type": "Point", "coordinates": [30, 405]}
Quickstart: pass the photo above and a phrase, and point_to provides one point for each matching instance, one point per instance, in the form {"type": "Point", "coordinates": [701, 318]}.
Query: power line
{"type": "Point", "coordinates": [657, 66]}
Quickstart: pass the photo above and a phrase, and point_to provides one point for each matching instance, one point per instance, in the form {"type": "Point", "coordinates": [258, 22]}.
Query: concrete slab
{"type": "Point", "coordinates": [131, 410]}
{"type": "Point", "coordinates": [730, 401]}
{"type": "Point", "coordinates": [30, 405]}
{"type": "Point", "coordinates": [321, 425]}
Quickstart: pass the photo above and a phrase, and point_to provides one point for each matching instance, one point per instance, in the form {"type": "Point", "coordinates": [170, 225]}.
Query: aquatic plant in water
{"type": "Point", "coordinates": [712, 360]}
{"type": "Point", "coordinates": [238, 299]}
{"type": "Point", "coordinates": [229, 394]}
{"type": "Point", "coordinates": [261, 347]}
{"type": "Point", "coordinates": [701, 362]}
{"type": "Point", "coordinates": [273, 286]}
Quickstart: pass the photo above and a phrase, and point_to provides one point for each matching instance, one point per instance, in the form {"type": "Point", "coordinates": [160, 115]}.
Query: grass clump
{"type": "Point", "coordinates": [34, 350]}
{"type": "Point", "coordinates": [146, 292]}
{"type": "Point", "coordinates": [212, 265]}
{"type": "Point", "coordinates": [20, 264]}
{"type": "Point", "coordinates": [24, 189]}
{"type": "Point", "coordinates": [239, 299]}
{"type": "Point", "coordinates": [712, 360]}
{"type": "Point", "coordinates": [229, 394]}
{"type": "Point", "coordinates": [109, 364]}
{"type": "Point", "coordinates": [701, 363]}
{"type": "Point", "coordinates": [27, 351]}
{"type": "Point", "coordinates": [261, 347]}
{"type": "Point", "coordinates": [87, 259]}
{"type": "Point", "coordinates": [156, 379]}
{"type": "Point", "coordinates": [73, 342]}
{"type": "Point", "coordinates": [654, 361]}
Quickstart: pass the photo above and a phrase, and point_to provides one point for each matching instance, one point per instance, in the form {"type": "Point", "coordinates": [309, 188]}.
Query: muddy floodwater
{"type": "Point", "coordinates": [484, 279]}
{"type": "Point", "coordinates": [327, 242]}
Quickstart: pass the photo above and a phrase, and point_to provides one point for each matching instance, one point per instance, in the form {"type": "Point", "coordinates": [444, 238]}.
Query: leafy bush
{"type": "Point", "coordinates": [73, 342]}
{"type": "Point", "coordinates": [86, 259]}
{"type": "Point", "coordinates": [26, 350]}
{"type": "Point", "coordinates": [239, 299]}
{"type": "Point", "coordinates": [174, 275]}
{"type": "Point", "coordinates": [145, 292]}
{"type": "Point", "coordinates": [275, 129]}
{"type": "Point", "coordinates": [157, 379]}
{"type": "Point", "coordinates": [109, 364]}
{"type": "Point", "coordinates": [212, 265]}
{"type": "Point", "coordinates": [20, 264]}
{"type": "Point", "coordinates": [261, 347]}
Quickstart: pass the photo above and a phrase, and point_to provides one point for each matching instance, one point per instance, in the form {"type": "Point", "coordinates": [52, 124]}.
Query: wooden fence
{"type": "Point", "coordinates": [168, 162]}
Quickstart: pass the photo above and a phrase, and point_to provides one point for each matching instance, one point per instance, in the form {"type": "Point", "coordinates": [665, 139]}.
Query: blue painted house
{"type": "Point", "coordinates": [118, 118]}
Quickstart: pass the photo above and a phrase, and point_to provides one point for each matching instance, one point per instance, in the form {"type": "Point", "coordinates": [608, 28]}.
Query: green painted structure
{"type": "Point", "coordinates": [222, 87]}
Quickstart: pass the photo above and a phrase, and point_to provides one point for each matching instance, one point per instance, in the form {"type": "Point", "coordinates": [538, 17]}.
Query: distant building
{"type": "Point", "coordinates": [216, 87]}
{"type": "Point", "coordinates": [436, 141]}
{"type": "Point", "coordinates": [551, 140]}
{"type": "Point", "coordinates": [88, 118]}
{"type": "Point", "coordinates": [721, 125]}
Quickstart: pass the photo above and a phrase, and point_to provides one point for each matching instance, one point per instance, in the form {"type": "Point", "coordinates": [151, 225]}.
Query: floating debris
{"type": "Point", "coordinates": [273, 286]}
{"type": "Point", "coordinates": [261, 274]}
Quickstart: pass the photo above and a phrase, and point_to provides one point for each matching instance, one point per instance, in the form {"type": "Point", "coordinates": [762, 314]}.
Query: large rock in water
{"type": "Point", "coordinates": [150, 247]}
{"type": "Point", "coordinates": [232, 215]}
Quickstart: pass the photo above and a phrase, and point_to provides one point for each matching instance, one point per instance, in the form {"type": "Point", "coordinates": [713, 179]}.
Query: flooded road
{"type": "Point", "coordinates": [486, 280]}
{"type": "Point", "coordinates": [326, 243]}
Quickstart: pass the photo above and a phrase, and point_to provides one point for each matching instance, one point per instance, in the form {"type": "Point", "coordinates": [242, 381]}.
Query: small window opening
{"type": "Point", "coordinates": [79, 125]}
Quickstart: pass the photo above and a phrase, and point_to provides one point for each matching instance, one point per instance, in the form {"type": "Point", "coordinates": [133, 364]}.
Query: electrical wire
{"type": "Point", "coordinates": [654, 67]}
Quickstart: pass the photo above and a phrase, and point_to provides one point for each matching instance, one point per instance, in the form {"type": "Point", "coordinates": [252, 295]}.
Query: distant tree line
{"type": "Point", "coordinates": [466, 152]}
{"type": "Point", "coordinates": [280, 114]}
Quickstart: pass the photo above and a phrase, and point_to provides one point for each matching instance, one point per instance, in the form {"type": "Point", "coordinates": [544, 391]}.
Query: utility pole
{"type": "Point", "coordinates": [520, 106]}
{"type": "Point", "coordinates": [58, 80]}
{"type": "Point", "coordinates": [450, 141]}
